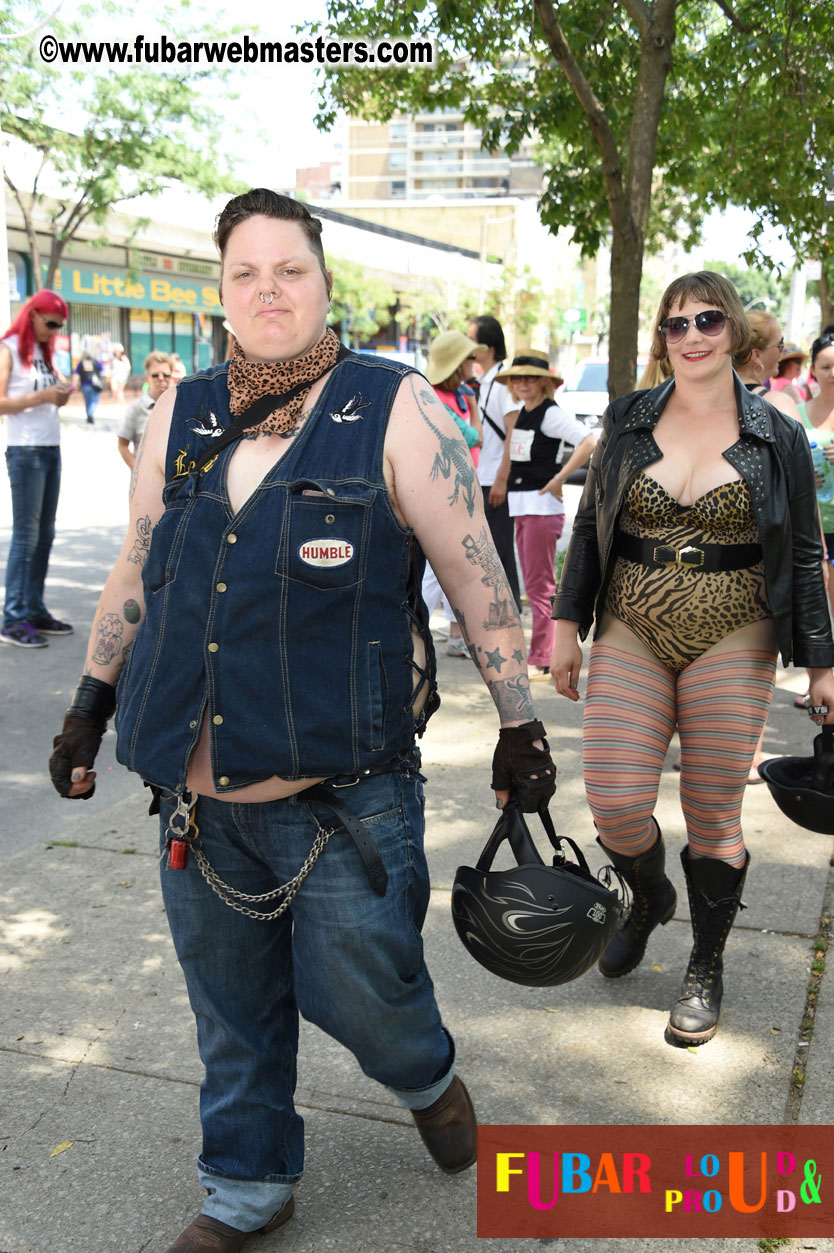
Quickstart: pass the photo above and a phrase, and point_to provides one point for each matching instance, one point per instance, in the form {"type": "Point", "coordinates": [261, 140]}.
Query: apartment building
{"type": "Point", "coordinates": [432, 155]}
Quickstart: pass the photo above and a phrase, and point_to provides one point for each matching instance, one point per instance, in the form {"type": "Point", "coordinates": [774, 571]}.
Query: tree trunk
{"type": "Point", "coordinates": [55, 254]}
{"type": "Point", "coordinates": [626, 272]}
{"type": "Point", "coordinates": [31, 235]}
{"type": "Point", "coordinates": [826, 294]}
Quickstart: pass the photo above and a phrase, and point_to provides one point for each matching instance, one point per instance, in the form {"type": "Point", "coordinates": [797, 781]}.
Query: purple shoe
{"type": "Point", "coordinates": [51, 626]}
{"type": "Point", "coordinates": [24, 635]}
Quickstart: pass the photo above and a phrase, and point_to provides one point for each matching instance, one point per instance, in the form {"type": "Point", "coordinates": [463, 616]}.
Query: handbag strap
{"type": "Point", "coordinates": [502, 435]}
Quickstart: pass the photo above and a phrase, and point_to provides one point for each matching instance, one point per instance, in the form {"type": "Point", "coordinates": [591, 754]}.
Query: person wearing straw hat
{"type": "Point", "coordinates": [448, 355]}
{"type": "Point", "coordinates": [494, 403]}
{"type": "Point", "coordinates": [787, 373]}
{"type": "Point", "coordinates": [544, 445]}
{"type": "Point", "coordinates": [445, 370]}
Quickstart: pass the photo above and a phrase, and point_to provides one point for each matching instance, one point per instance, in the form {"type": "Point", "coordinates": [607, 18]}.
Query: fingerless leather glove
{"type": "Point", "coordinates": [516, 760]}
{"type": "Point", "coordinates": [84, 725]}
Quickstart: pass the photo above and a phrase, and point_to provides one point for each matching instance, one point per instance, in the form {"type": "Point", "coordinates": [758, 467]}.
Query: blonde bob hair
{"type": "Point", "coordinates": [762, 326]}
{"type": "Point", "coordinates": [712, 289]}
{"type": "Point", "coordinates": [548, 384]}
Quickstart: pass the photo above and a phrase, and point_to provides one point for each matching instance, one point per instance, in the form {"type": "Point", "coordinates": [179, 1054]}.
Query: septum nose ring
{"type": "Point", "coordinates": [267, 297]}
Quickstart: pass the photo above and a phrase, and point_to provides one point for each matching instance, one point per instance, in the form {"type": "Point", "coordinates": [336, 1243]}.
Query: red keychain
{"type": "Point", "coordinates": [180, 836]}
{"type": "Point", "coordinates": [177, 854]}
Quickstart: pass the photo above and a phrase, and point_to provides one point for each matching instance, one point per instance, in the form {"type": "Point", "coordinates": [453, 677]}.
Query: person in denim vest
{"type": "Point", "coordinates": [276, 665]}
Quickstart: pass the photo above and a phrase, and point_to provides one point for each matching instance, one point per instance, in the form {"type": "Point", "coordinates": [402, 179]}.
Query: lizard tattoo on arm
{"type": "Point", "coordinates": [453, 457]}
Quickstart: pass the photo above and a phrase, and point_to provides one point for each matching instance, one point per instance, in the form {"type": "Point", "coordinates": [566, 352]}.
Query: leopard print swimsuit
{"type": "Point", "coordinates": [680, 613]}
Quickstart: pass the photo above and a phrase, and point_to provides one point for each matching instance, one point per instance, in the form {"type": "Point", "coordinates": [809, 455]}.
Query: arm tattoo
{"type": "Point", "coordinates": [131, 611]}
{"type": "Point", "coordinates": [109, 631]}
{"type": "Point", "coordinates": [139, 551]}
{"type": "Point", "coordinates": [461, 621]}
{"type": "Point", "coordinates": [512, 698]}
{"type": "Point", "coordinates": [453, 457]}
{"type": "Point", "coordinates": [481, 552]}
{"type": "Point", "coordinates": [134, 474]}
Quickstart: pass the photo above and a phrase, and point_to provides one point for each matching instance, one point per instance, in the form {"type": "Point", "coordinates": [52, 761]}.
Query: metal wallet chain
{"type": "Point", "coordinates": [190, 833]}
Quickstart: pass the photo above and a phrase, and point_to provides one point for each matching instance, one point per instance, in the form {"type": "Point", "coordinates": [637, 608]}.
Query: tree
{"type": "Point", "coordinates": [361, 304]}
{"type": "Point", "coordinates": [129, 132]}
{"type": "Point", "coordinates": [756, 287]}
{"type": "Point", "coordinates": [634, 147]}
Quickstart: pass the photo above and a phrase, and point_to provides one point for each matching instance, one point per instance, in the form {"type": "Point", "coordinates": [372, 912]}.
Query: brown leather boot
{"type": "Point", "coordinates": [209, 1235]}
{"type": "Point", "coordinates": [449, 1129]}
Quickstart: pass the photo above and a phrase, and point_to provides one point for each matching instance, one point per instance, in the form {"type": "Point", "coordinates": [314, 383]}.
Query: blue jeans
{"type": "Point", "coordinates": [350, 961]}
{"type": "Point", "coordinates": [35, 477]}
{"type": "Point", "coordinates": [91, 395]}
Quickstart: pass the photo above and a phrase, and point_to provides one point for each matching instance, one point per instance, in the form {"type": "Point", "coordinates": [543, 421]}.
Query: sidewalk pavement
{"type": "Point", "coordinates": [99, 1072]}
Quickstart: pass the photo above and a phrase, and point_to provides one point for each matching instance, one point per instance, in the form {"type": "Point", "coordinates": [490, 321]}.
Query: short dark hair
{"type": "Point", "coordinates": [824, 340]}
{"type": "Point", "coordinates": [712, 289]}
{"type": "Point", "coordinates": [491, 335]}
{"type": "Point", "coordinates": [263, 202]}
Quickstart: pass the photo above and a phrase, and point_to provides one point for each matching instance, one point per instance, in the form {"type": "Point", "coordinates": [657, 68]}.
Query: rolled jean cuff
{"type": "Point", "coordinates": [422, 1098]}
{"type": "Point", "coordinates": [245, 1204]}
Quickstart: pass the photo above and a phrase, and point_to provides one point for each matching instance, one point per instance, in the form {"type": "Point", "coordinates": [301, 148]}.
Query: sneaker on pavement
{"type": "Point", "coordinates": [24, 635]}
{"type": "Point", "coordinates": [457, 647]}
{"type": "Point", "coordinates": [51, 626]}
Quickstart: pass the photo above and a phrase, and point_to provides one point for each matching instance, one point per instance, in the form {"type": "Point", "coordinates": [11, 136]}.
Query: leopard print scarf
{"type": "Point", "coordinates": [251, 381]}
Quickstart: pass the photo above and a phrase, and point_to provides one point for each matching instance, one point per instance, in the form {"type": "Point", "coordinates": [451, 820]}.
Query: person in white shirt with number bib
{"type": "Point", "coordinates": [544, 445]}
{"type": "Point", "coordinates": [494, 404]}
{"type": "Point", "coordinates": [31, 393]}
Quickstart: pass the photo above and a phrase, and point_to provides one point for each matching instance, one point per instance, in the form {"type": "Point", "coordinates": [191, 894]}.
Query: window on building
{"type": "Point", "coordinates": [397, 160]}
{"type": "Point", "coordinates": [398, 188]}
{"type": "Point", "coordinates": [399, 131]}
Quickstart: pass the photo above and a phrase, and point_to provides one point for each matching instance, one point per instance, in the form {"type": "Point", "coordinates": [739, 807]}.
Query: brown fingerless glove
{"type": "Point", "coordinates": [84, 725]}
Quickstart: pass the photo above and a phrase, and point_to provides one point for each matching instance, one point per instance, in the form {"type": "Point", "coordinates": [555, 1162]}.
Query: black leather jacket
{"type": "Point", "coordinates": [773, 458]}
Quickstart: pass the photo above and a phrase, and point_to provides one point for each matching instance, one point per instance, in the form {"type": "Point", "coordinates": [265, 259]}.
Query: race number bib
{"type": "Point", "coordinates": [520, 444]}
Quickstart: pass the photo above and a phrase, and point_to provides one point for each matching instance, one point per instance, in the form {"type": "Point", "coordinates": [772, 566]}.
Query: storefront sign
{"type": "Point", "coordinates": [106, 285]}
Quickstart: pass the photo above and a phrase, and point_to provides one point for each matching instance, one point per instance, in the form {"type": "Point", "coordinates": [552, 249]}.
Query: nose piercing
{"type": "Point", "coordinates": [267, 297]}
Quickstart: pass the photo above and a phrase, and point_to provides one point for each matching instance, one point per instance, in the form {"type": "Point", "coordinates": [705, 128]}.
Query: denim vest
{"type": "Point", "coordinates": [290, 622]}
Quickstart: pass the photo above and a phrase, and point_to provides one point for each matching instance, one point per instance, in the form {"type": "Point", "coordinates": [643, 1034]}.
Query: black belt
{"type": "Point", "coordinates": [321, 794]}
{"type": "Point", "coordinates": [709, 558]}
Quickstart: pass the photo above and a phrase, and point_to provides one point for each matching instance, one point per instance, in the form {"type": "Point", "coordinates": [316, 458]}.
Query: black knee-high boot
{"type": "Point", "coordinates": [714, 889]}
{"type": "Point", "coordinates": [653, 902]}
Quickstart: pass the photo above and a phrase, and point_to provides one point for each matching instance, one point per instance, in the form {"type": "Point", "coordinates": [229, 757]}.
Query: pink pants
{"type": "Point", "coordinates": [536, 537]}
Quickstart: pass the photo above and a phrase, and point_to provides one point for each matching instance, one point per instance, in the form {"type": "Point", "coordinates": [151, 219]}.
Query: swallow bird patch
{"type": "Point", "coordinates": [350, 411]}
{"type": "Point", "coordinates": [212, 430]}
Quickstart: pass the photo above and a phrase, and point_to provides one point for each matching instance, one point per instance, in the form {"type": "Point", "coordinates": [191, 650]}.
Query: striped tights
{"type": "Point", "coordinates": [719, 703]}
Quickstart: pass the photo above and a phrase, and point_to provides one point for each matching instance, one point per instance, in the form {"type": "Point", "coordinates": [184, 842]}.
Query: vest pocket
{"type": "Point", "coordinates": [166, 546]}
{"type": "Point", "coordinates": [325, 537]}
{"type": "Point", "coordinates": [377, 689]}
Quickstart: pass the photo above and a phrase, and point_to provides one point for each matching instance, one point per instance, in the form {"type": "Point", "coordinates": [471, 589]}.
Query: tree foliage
{"type": "Point", "coordinates": [648, 113]}
{"type": "Point", "coordinates": [360, 303]}
{"type": "Point", "coordinates": [100, 136]}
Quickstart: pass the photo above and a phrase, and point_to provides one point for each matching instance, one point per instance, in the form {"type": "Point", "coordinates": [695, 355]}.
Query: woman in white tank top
{"type": "Point", "coordinates": [31, 393]}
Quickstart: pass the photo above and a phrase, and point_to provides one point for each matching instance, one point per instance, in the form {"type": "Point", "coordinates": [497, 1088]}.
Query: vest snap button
{"type": "Point", "coordinates": [330, 518]}
{"type": "Point", "coordinates": [221, 587]}
{"type": "Point", "coordinates": [231, 539]}
{"type": "Point", "coordinates": [214, 648]}
{"type": "Point", "coordinates": [223, 781]}
{"type": "Point", "coordinates": [218, 720]}
{"type": "Point", "coordinates": [193, 724]}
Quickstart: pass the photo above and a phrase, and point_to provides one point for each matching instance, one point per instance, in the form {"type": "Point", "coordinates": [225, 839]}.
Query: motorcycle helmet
{"type": "Point", "coordinates": [536, 924]}
{"type": "Point", "coordinates": [803, 787]}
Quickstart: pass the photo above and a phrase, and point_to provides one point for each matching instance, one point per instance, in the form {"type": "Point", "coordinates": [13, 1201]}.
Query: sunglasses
{"type": "Point", "coordinates": [53, 326]}
{"type": "Point", "coordinates": [710, 322]}
{"type": "Point", "coordinates": [160, 376]}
